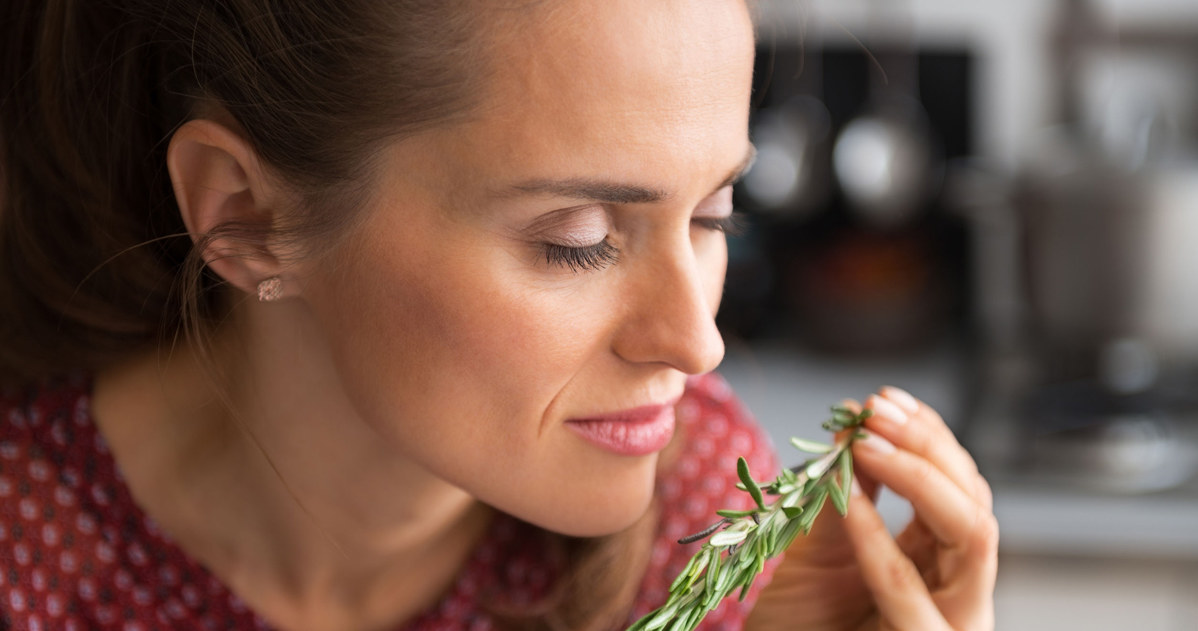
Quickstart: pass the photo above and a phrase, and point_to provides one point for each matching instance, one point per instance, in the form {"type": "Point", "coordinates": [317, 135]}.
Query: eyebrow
{"type": "Point", "coordinates": [615, 192]}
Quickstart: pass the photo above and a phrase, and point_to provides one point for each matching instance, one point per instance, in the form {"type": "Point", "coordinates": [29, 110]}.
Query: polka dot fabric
{"type": "Point", "coordinates": [77, 554]}
{"type": "Point", "coordinates": [717, 429]}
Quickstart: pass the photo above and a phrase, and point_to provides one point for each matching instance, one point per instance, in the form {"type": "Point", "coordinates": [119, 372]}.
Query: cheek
{"type": "Point", "coordinates": [459, 375]}
{"type": "Point", "coordinates": [444, 349]}
{"type": "Point", "coordinates": [462, 361]}
{"type": "Point", "coordinates": [442, 337]}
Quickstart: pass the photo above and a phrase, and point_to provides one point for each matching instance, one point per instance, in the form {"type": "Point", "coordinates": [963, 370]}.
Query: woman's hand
{"type": "Point", "coordinates": [937, 574]}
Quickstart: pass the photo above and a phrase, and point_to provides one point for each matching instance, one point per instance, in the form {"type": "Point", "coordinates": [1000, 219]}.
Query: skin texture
{"type": "Point", "coordinates": [497, 346]}
{"type": "Point", "coordinates": [431, 358]}
{"type": "Point", "coordinates": [426, 365]}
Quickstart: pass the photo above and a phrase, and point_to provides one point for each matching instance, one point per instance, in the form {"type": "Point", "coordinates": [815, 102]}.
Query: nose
{"type": "Point", "coordinates": [670, 315]}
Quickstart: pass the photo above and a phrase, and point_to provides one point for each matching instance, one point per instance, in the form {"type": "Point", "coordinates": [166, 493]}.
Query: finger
{"type": "Point", "coordinates": [947, 509]}
{"type": "Point", "coordinates": [927, 437]}
{"type": "Point", "coordinates": [896, 584]}
{"type": "Point", "coordinates": [913, 407]}
{"type": "Point", "coordinates": [919, 545]}
{"type": "Point", "coordinates": [959, 522]}
{"type": "Point", "coordinates": [916, 541]}
{"type": "Point", "coordinates": [893, 406]}
{"type": "Point", "coordinates": [983, 492]}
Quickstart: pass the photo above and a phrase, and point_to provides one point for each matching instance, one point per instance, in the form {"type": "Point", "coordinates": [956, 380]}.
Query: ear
{"type": "Point", "coordinates": [219, 181]}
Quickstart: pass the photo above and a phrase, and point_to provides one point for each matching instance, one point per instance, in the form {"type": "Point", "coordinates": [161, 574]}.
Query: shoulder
{"type": "Point", "coordinates": [699, 478]}
{"type": "Point", "coordinates": [75, 552]}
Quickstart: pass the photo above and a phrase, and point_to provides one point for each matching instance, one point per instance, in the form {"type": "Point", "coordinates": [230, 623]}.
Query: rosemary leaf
{"type": "Point", "coordinates": [697, 571]}
{"type": "Point", "coordinates": [733, 514]}
{"type": "Point", "coordinates": [846, 481]}
{"type": "Point", "coordinates": [810, 446]}
{"type": "Point", "coordinates": [739, 545]}
{"type": "Point", "coordinates": [840, 497]}
{"type": "Point", "coordinates": [713, 571]}
{"type": "Point", "coordinates": [742, 470]}
{"type": "Point", "coordinates": [681, 578]}
{"type": "Point", "coordinates": [818, 497]}
{"type": "Point", "coordinates": [727, 538]}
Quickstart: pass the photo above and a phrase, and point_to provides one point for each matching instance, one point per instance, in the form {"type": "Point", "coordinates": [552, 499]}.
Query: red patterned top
{"type": "Point", "coordinates": [76, 553]}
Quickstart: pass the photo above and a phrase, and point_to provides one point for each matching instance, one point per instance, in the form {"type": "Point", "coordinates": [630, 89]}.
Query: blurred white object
{"type": "Point", "coordinates": [883, 161]}
{"type": "Point", "coordinates": [1167, 310]}
{"type": "Point", "coordinates": [790, 174]}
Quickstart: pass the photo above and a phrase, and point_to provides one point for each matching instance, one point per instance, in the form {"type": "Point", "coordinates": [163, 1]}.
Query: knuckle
{"type": "Point", "coordinates": [922, 472]}
{"type": "Point", "coordinates": [920, 441]}
{"type": "Point", "coordinates": [985, 493]}
{"type": "Point", "coordinates": [931, 416]}
{"type": "Point", "coordinates": [900, 575]}
{"type": "Point", "coordinates": [984, 534]}
{"type": "Point", "coordinates": [973, 464]}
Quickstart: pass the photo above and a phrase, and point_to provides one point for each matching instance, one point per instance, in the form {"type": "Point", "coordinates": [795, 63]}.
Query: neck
{"type": "Point", "coordinates": [268, 476]}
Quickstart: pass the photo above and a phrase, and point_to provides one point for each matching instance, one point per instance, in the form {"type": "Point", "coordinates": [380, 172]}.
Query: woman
{"type": "Point", "coordinates": [376, 315]}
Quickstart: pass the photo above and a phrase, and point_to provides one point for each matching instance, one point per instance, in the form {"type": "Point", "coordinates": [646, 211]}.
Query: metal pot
{"type": "Point", "coordinates": [1111, 255]}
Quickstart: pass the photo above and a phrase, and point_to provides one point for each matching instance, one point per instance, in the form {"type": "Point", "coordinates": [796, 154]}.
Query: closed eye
{"type": "Point", "coordinates": [589, 258]}
{"type": "Point", "coordinates": [733, 224]}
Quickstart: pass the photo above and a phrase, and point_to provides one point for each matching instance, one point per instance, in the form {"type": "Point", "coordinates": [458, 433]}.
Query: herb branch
{"type": "Point", "coordinates": [741, 541]}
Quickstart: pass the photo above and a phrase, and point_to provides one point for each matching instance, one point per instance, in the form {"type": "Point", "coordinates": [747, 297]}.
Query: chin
{"type": "Point", "coordinates": [606, 511]}
{"type": "Point", "coordinates": [592, 524]}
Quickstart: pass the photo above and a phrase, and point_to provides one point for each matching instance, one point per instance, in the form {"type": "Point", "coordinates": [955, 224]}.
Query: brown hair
{"type": "Point", "coordinates": [91, 242]}
{"type": "Point", "coordinates": [94, 257]}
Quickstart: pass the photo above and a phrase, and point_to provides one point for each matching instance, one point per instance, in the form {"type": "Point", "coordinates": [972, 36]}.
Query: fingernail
{"type": "Point", "coordinates": [902, 398]}
{"type": "Point", "coordinates": [886, 409]}
{"type": "Point", "coordinates": [876, 443]}
{"type": "Point", "coordinates": [855, 488]}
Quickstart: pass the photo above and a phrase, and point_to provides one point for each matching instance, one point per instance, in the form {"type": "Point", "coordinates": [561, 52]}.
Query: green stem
{"type": "Point", "coordinates": [742, 541]}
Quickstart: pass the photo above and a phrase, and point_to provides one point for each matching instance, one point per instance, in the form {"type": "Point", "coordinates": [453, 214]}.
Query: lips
{"type": "Point", "coordinates": [635, 432]}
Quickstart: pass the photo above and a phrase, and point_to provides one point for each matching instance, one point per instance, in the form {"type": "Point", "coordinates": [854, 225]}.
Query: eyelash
{"type": "Point", "coordinates": [732, 225]}
{"type": "Point", "coordinates": [588, 258]}
{"type": "Point", "coordinates": [600, 255]}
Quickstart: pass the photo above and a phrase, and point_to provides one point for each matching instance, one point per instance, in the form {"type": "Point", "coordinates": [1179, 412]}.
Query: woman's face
{"type": "Point", "coordinates": [521, 281]}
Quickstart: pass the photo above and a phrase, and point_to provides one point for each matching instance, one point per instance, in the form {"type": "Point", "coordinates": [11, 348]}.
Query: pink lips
{"type": "Point", "coordinates": [634, 432]}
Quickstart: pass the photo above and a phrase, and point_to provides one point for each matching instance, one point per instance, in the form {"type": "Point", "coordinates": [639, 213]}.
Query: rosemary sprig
{"type": "Point", "coordinates": [741, 541]}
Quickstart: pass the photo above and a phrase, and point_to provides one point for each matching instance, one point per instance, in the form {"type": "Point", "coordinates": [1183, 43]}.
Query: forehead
{"type": "Point", "coordinates": [579, 83]}
{"type": "Point", "coordinates": [662, 42]}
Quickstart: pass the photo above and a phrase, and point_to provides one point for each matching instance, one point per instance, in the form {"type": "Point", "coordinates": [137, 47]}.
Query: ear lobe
{"type": "Point", "coordinates": [225, 201]}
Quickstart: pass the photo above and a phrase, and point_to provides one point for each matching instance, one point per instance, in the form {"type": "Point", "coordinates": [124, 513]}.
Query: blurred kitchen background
{"type": "Point", "coordinates": [994, 205]}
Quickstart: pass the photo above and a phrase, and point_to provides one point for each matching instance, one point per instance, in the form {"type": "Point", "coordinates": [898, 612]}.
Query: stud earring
{"type": "Point", "coordinates": [270, 289]}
